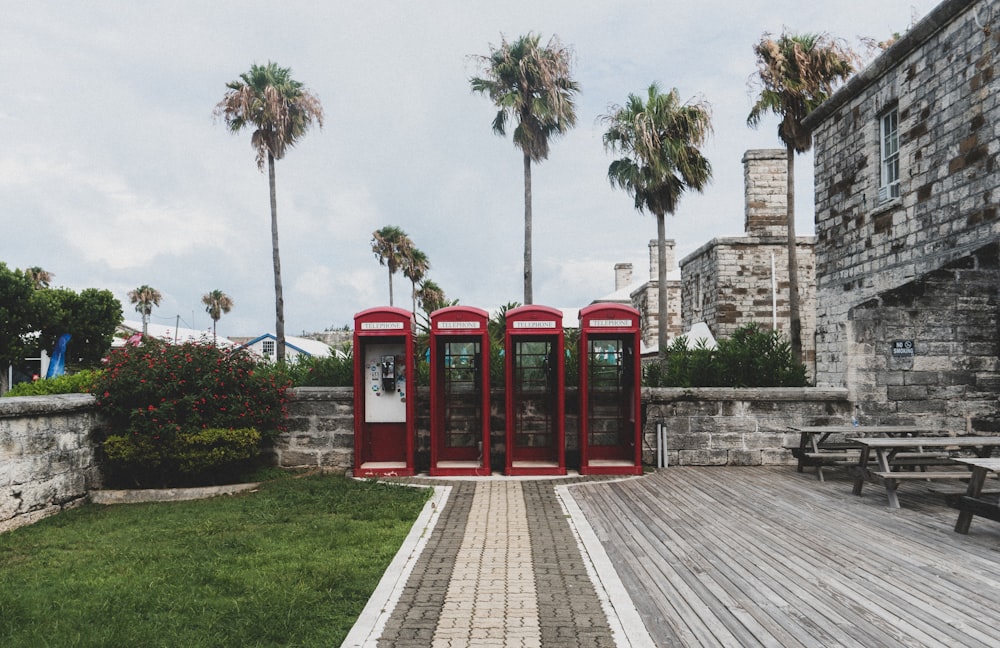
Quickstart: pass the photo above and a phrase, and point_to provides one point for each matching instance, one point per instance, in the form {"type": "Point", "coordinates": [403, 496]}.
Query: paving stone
{"type": "Point", "coordinates": [501, 568]}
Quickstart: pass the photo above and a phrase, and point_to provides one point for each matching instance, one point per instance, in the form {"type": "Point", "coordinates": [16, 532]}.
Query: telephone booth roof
{"type": "Point", "coordinates": [473, 320]}
{"type": "Point", "coordinates": [385, 320]}
{"type": "Point", "coordinates": [609, 316]}
{"type": "Point", "coordinates": [533, 313]}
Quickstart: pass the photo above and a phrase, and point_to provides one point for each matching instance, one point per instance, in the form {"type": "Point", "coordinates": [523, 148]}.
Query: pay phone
{"type": "Point", "coordinates": [385, 398]}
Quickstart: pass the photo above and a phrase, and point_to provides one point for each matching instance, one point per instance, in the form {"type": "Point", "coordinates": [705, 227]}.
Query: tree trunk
{"type": "Point", "coordinates": [390, 284]}
{"type": "Point", "coordinates": [795, 323]}
{"type": "Point", "coordinates": [279, 299]}
{"type": "Point", "coordinates": [663, 316]}
{"type": "Point", "coordinates": [527, 230]}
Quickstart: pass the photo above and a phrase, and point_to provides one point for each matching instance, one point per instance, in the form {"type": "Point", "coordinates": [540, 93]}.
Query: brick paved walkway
{"type": "Point", "coordinates": [501, 568]}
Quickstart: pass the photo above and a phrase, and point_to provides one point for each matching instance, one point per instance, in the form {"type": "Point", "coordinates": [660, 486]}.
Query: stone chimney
{"type": "Point", "coordinates": [765, 181]}
{"type": "Point", "coordinates": [623, 275]}
{"type": "Point", "coordinates": [653, 254]}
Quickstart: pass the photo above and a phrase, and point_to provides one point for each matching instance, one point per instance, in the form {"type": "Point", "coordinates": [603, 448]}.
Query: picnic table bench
{"type": "Point", "coordinates": [973, 503]}
{"type": "Point", "coordinates": [815, 449]}
{"type": "Point", "coordinates": [894, 455]}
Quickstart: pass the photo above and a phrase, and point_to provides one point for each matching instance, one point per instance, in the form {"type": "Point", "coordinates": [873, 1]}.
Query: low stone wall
{"type": "Point", "coordinates": [704, 427]}
{"type": "Point", "coordinates": [47, 460]}
{"type": "Point", "coordinates": [735, 427]}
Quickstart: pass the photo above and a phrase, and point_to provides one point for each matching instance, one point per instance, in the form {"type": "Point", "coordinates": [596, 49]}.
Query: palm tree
{"type": "Point", "coordinates": [38, 277]}
{"type": "Point", "coordinates": [530, 84]}
{"type": "Point", "coordinates": [280, 111]}
{"type": "Point", "coordinates": [431, 297]}
{"type": "Point", "coordinates": [659, 138]}
{"type": "Point", "coordinates": [415, 267]}
{"type": "Point", "coordinates": [391, 246]}
{"type": "Point", "coordinates": [216, 303]}
{"type": "Point", "coordinates": [797, 73]}
{"type": "Point", "coordinates": [145, 298]}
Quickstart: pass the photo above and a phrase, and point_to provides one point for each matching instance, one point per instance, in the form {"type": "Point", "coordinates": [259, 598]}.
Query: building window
{"type": "Point", "coordinates": [889, 145]}
{"type": "Point", "coordinates": [267, 346]}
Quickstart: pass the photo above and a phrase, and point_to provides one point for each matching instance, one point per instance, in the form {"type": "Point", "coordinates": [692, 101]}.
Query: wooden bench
{"type": "Point", "coordinates": [973, 503]}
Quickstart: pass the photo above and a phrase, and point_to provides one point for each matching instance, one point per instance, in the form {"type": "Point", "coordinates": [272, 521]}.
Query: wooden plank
{"type": "Point", "coordinates": [798, 561]}
{"type": "Point", "coordinates": [930, 474]}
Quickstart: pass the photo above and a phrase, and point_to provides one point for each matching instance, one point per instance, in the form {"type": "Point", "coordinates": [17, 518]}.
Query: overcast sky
{"type": "Point", "coordinates": [114, 174]}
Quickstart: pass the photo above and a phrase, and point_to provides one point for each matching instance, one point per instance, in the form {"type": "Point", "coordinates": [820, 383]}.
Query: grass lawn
{"type": "Point", "coordinates": [292, 564]}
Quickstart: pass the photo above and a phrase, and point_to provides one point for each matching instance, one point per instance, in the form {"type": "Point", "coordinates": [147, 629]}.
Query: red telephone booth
{"type": "Point", "coordinates": [384, 393]}
{"type": "Point", "coordinates": [460, 392]}
{"type": "Point", "coordinates": [610, 379]}
{"type": "Point", "coordinates": [535, 373]}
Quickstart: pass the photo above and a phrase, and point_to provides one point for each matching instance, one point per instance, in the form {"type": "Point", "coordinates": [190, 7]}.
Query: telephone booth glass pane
{"type": "Point", "coordinates": [608, 403]}
{"type": "Point", "coordinates": [463, 411]}
{"type": "Point", "coordinates": [534, 407]}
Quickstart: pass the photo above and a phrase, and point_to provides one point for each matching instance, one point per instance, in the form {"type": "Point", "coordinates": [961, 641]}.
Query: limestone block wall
{"type": "Point", "coordinates": [942, 78]}
{"type": "Point", "coordinates": [320, 429]}
{"type": "Point", "coordinates": [950, 376]}
{"type": "Point", "coordinates": [47, 461]}
{"type": "Point", "coordinates": [735, 427]}
{"type": "Point", "coordinates": [705, 427]}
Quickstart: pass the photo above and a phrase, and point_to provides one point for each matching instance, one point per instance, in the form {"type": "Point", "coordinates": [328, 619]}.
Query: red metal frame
{"type": "Point", "coordinates": [450, 327]}
{"type": "Point", "coordinates": [616, 324]}
{"type": "Point", "coordinates": [542, 324]}
{"type": "Point", "coordinates": [384, 449]}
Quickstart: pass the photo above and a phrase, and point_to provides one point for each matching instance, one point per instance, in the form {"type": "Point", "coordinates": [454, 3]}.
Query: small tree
{"type": "Point", "coordinates": [391, 246]}
{"type": "Point", "coordinates": [145, 298]}
{"type": "Point", "coordinates": [216, 303]}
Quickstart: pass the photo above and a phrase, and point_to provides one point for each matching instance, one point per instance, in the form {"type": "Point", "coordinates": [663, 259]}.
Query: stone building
{"type": "Point", "coordinates": [907, 227]}
{"type": "Point", "coordinates": [646, 300]}
{"type": "Point", "coordinates": [729, 282]}
{"type": "Point", "coordinates": [644, 297]}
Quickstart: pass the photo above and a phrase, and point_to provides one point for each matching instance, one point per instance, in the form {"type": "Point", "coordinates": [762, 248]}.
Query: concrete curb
{"type": "Point", "coordinates": [368, 628]}
{"type": "Point", "coordinates": [623, 617]}
{"type": "Point", "coordinates": [140, 496]}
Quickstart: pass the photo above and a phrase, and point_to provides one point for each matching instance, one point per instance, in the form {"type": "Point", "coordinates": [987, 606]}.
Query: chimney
{"type": "Point", "coordinates": [623, 275]}
{"type": "Point", "coordinates": [653, 258]}
{"type": "Point", "coordinates": [765, 185]}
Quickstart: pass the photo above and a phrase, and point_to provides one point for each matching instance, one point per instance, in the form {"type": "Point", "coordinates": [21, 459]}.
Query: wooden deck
{"type": "Point", "coordinates": [766, 556]}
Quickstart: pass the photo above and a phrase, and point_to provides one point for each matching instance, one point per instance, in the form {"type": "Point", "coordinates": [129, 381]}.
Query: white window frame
{"type": "Point", "coordinates": [888, 131]}
{"type": "Point", "coordinates": [267, 348]}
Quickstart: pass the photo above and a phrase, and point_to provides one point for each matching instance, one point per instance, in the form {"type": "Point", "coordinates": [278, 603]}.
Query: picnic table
{"type": "Point", "coordinates": [973, 503]}
{"type": "Point", "coordinates": [815, 448]}
{"type": "Point", "coordinates": [894, 455]}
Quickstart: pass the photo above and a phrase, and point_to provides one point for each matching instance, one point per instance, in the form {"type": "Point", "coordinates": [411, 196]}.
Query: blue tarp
{"type": "Point", "coordinates": [57, 365]}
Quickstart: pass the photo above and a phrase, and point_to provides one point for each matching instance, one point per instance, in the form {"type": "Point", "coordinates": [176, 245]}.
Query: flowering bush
{"type": "Point", "coordinates": [156, 396]}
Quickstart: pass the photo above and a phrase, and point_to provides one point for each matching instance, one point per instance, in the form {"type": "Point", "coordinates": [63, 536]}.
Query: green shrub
{"type": "Point", "coordinates": [310, 371]}
{"type": "Point", "coordinates": [161, 400]}
{"type": "Point", "coordinates": [78, 383]}
{"type": "Point", "coordinates": [206, 450]}
{"type": "Point", "coordinates": [752, 357]}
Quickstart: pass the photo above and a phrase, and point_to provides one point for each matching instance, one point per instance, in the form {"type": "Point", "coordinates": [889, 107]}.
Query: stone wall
{"type": "Point", "coordinates": [929, 348]}
{"type": "Point", "coordinates": [704, 426]}
{"type": "Point", "coordinates": [942, 78]}
{"type": "Point", "coordinates": [736, 427]}
{"type": "Point", "coordinates": [47, 461]}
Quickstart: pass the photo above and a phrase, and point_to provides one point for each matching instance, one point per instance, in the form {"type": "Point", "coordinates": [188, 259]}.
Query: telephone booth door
{"type": "Point", "coordinates": [610, 378]}
{"type": "Point", "coordinates": [460, 392]}
{"type": "Point", "coordinates": [535, 389]}
{"type": "Point", "coordinates": [384, 393]}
